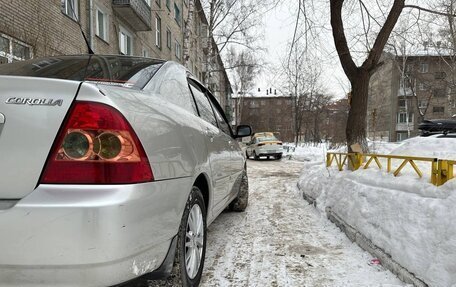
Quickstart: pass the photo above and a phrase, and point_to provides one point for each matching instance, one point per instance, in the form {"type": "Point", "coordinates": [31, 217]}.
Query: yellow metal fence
{"type": "Point", "coordinates": [441, 170]}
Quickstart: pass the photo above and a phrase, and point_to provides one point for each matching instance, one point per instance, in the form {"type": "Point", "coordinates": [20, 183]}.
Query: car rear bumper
{"type": "Point", "coordinates": [269, 152]}
{"type": "Point", "coordinates": [68, 235]}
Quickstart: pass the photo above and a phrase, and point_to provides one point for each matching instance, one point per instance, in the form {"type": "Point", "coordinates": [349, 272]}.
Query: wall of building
{"type": "Point", "coordinates": [46, 31]}
{"type": "Point", "coordinates": [420, 86]}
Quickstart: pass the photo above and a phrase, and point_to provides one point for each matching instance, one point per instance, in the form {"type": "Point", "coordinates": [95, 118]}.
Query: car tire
{"type": "Point", "coordinates": [240, 203]}
{"type": "Point", "coordinates": [255, 156]}
{"type": "Point", "coordinates": [279, 156]}
{"type": "Point", "coordinates": [191, 242]}
{"type": "Point", "coordinates": [246, 155]}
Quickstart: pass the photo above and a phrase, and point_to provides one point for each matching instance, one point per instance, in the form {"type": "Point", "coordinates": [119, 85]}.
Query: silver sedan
{"type": "Point", "coordinates": [111, 168]}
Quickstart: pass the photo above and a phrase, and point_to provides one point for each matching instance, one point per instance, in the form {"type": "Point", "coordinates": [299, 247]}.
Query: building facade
{"type": "Point", "coordinates": [407, 90]}
{"type": "Point", "coordinates": [166, 29]}
{"type": "Point", "coordinates": [275, 114]}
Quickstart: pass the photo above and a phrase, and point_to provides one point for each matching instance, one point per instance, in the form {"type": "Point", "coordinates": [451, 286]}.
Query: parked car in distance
{"type": "Point", "coordinates": [443, 126]}
{"type": "Point", "coordinates": [264, 144]}
{"type": "Point", "coordinates": [111, 168]}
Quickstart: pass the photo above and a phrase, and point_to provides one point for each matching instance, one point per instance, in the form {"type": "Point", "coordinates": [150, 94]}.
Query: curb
{"type": "Point", "coordinates": [366, 244]}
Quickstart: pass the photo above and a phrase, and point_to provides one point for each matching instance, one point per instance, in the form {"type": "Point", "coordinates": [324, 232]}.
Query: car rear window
{"type": "Point", "coordinates": [130, 72]}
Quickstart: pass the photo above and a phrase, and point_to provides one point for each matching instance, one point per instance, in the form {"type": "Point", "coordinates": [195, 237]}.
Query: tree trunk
{"type": "Point", "coordinates": [357, 116]}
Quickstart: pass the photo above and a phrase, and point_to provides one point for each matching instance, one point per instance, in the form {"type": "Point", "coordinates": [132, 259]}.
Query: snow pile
{"type": "Point", "coordinates": [409, 218]}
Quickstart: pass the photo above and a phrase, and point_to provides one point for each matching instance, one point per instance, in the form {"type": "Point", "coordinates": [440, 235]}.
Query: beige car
{"type": "Point", "coordinates": [264, 144]}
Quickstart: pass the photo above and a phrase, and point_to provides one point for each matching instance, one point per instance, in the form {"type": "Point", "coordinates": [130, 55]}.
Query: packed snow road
{"type": "Point", "coordinates": [280, 240]}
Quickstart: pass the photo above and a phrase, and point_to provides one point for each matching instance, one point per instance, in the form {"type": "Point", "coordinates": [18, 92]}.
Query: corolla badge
{"type": "Point", "coordinates": [34, 102]}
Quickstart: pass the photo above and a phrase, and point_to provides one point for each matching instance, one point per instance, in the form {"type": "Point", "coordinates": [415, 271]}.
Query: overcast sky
{"type": "Point", "coordinates": [279, 25]}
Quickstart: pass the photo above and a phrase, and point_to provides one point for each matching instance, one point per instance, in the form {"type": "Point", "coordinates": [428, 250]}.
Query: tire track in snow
{"type": "Point", "coordinates": [282, 241]}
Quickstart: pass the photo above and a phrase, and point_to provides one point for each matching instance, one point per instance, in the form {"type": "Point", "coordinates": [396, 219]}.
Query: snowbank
{"type": "Point", "coordinates": [409, 218]}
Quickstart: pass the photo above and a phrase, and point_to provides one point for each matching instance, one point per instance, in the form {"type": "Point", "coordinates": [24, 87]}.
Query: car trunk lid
{"type": "Point", "coordinates": [32, 111]}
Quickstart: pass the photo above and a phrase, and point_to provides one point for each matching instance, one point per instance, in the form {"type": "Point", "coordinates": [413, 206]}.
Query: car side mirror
{"type": "Point", "coordinates": [243, 131]}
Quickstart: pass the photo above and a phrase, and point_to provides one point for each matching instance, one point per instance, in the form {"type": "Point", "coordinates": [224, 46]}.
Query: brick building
{"type": "Point", "coordinates": [275, 114]}
{"type": "Point", "coordinates": [150, 28]}
{"type": "Point", "coordinates": [406, 90]}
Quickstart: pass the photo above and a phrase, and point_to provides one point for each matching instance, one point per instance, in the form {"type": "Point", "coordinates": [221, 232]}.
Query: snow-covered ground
{"type": "Point", "coordinates": [408, 217]}
{"type": "Point", "coordinates": [281, 240]}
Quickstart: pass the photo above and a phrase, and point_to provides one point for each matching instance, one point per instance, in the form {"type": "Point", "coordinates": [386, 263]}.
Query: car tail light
{"type": "Point", "coordinates": [96, 145]}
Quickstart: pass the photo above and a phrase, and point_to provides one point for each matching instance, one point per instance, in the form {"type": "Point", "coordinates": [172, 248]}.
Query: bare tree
{"type": "Point", "coordinates": [244, 68]}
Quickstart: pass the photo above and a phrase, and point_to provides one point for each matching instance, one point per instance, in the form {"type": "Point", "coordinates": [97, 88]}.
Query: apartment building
{"type": "Point", "coordinates": [275, 113]}
{"type": "Point", "coordinates": [406, 90]}
{"type": "Point", "coordinates": [166, 29]}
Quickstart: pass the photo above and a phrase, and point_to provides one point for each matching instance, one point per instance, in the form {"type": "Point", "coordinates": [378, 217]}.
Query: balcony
{"type": "Point", "coordinates": [136, 12]}
{"type": "Point", "coordinates": [403, 126]}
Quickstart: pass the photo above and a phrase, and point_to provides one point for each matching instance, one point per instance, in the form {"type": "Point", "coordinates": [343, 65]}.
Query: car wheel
{"type": "Point", "coordinates": [255, 156]}
{"type": "Point", "coordinates": [191, 242]}
{"type": "Point", "coordinates": [279, 156]}
{"type": "Point", "coordinates": [242, 200]}
{"type": "Point", "coordinates": [246, 155]}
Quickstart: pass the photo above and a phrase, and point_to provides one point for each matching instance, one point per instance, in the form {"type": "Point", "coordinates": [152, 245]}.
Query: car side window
{"type": "Point", "coordinates": [171, 85]}
{"type": "Point", "coordinates": [222, 124]}
{"type": "Point", "coordinates": [203, 104]}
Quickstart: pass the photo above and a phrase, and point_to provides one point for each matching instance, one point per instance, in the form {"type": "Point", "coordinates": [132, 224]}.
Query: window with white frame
{"type": "Point", "coordinates": [405, 83]}
{"type": "Point", "coordinates": [422, 104]}
{"type": "Point", "coordinates": [102, 24]}
{"type": "Point", "coordinates": [424, 67]}
{"type": "Point", "coordinates": [125, 42]}
{"type": "Point", "coordinates": [70, 8]}
{"type": "Point", "coordinates": [177, 49]}
{"type": "Point", "coordinates": [402, 136]}
{"type": "Point", "coordinates": [402, 118]}
{"type": "Point", "coordinates": [421, 86]}
{"type": "Point", "coordinates": [168, 38]}
{"type": "Point", "coordinates": [157, 31]}
{"type": "Point", "coordinates": [12, 50]}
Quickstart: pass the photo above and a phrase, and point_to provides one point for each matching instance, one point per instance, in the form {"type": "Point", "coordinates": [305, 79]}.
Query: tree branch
{"type": "Point", "coordinates": [382, 37]}
{"type": "Point", "coordinates": [430, 11]}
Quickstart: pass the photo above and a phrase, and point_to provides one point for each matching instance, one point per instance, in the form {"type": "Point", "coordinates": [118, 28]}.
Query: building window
{"type": "Point", "coordinates": [145, 53]}
{"type": "Point", "coordinates": [177, 14]}
{"type": "Point", "coordinates": [405, 83]}
{"type": "Point", "coordinates": [422, 104]}
{"type": "Point", "coordinates": [125, 42]}
{"type": "Point", "coordinates": [440, 75]}
{"type": "Point", "coordinates": [402, 118]}
{"type": "Point", "coordinates": [439, 93]}
{"type": "Point", "coordinates": [424, 67]}
{"type": "Point", "coordinates": [102, 24]}
{"type": "Point", "coordinates": [438, 110]}
{"type": "Point", "coordinates": [178, 50]}
{"type": "Point", "coordinates": [12, 50]}
{"type": "Point", "coordinates": [402, 136]}
{"type": "Point", "coordinates": [148, 2]}
{"type": "Point", "coordinates": [421, 86]}
{"type": "Point", "coordinates": [168, 38]}
{"type": "Point", "coordinates": [158, 31]}
{"type": "Point", "coordinates": [402, 103]}
{"type": "Point", "coordinates": [70, 8]}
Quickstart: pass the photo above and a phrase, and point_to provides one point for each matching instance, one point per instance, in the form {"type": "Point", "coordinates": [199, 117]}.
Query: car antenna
{"type": "Point", "coordinates": [80, 28]}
